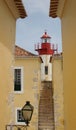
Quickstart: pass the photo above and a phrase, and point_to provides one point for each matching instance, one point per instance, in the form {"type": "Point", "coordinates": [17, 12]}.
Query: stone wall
{"type": "Point", "coordinates": [58, 92]}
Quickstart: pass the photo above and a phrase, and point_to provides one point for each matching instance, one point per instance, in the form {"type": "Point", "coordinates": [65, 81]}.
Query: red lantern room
{"type": "Point", "coordinates": [45, 47]}
{"type": "Point", "coordinates": [45, 38]}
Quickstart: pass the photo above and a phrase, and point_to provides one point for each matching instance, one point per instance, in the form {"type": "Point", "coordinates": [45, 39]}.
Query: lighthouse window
{"type": "Point", "coordinates": [46, 69]}
{"type": "Point", "coordinates": [18, 79]}
{"type": "Point", "coordinates": [45, 40]}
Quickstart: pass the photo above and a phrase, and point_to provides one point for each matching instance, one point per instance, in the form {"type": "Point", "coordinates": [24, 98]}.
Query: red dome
{"type": "Point", "coordinates": [45, 36]}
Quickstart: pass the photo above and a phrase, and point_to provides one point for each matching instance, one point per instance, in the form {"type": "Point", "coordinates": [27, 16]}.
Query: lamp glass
{"type": "Point", "coordinates": [27, 111]}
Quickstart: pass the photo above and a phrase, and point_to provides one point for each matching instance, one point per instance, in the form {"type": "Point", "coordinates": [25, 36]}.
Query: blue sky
{"type": "Point", "coordinates": [30, 29]}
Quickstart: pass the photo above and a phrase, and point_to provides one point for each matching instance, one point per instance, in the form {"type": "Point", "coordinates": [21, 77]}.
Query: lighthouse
{"type": "Point", "coordinates": [45, 51]}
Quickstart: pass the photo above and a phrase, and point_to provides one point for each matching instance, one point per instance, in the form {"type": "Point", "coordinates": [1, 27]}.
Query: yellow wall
{"type": "Point", "coordinates": [31, 85]}
{"type": "Point", "coordinates": [58, 92]}
{"type": "Point", "coordinates": [7, 40]}
{"type": "Point", "coordinates": [69, 63]}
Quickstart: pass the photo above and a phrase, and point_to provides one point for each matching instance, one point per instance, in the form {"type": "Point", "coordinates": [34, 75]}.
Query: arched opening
{"type": "Point", "coordinates": [28, 33]}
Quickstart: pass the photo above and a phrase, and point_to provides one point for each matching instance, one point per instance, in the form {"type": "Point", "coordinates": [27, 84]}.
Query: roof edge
{"type": "Point", "coordinates": [56, 8]}
{"type": "Point", "coordinates": [17, 8]}
{"type": "Point", "coordinates": [20, 52]}
{"type": "Point", "coordinates": [26, 57]}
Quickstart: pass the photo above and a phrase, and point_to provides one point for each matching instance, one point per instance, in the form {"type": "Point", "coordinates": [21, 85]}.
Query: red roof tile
{"type": "Point", "coordinates": [20, 52]}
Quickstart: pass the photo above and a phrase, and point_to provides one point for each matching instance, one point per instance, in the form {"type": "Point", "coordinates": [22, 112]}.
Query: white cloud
{"type": "Point", "coordinates": [33, 6]}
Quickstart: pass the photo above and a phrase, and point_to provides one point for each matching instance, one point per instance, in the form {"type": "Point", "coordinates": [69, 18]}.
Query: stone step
{"type": "Point", "coordinates": [46, 110]}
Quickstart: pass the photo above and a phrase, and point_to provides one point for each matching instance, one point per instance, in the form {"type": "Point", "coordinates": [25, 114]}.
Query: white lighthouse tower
{"type": "Point", "coordinates": [46, 50]}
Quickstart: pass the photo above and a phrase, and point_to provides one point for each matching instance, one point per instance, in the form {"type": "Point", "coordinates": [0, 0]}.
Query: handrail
{"type": "Point", "coordinates": [16, 127]}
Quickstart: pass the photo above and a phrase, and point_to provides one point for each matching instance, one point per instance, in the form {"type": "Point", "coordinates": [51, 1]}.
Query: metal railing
{"type": "Point", "coordinates": [16, 127]}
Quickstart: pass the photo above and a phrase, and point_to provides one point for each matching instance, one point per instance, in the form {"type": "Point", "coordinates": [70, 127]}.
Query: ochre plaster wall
{"type": "Point", "coordinates": [58, 94]}
{"type": "Point", "coordinates": [7, 40]}
{"type": "Point", "coordinates": [31, 86]}
{"type": "Point", "coordinates": [69, 63]}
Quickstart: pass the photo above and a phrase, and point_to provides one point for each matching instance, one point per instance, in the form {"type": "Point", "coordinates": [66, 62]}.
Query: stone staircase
{"type": "Point", "coordinates": [46, 108]}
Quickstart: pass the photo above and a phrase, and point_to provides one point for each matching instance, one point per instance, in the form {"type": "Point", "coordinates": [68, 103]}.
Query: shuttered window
{"type": "Point", "coordinates": [19, 116]}
{"type": "Point", "coordinates": [18, 79]}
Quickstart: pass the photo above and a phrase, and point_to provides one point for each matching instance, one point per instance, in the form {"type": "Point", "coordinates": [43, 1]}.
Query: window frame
{"type": "Point", "coordinates": [19, 91]}
{"type": "Point", "coordinates": [16, 117]}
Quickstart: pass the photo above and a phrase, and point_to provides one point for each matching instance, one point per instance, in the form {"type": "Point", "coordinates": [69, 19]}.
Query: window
{"type": "Point", "coordinates": [18, 79]}
{"type": "Point", "coordinates": [19, 116]}
{"type": "Point", "coordinates": [46, 70]}
{"type": "Point", "coordinates": [45, 40]}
